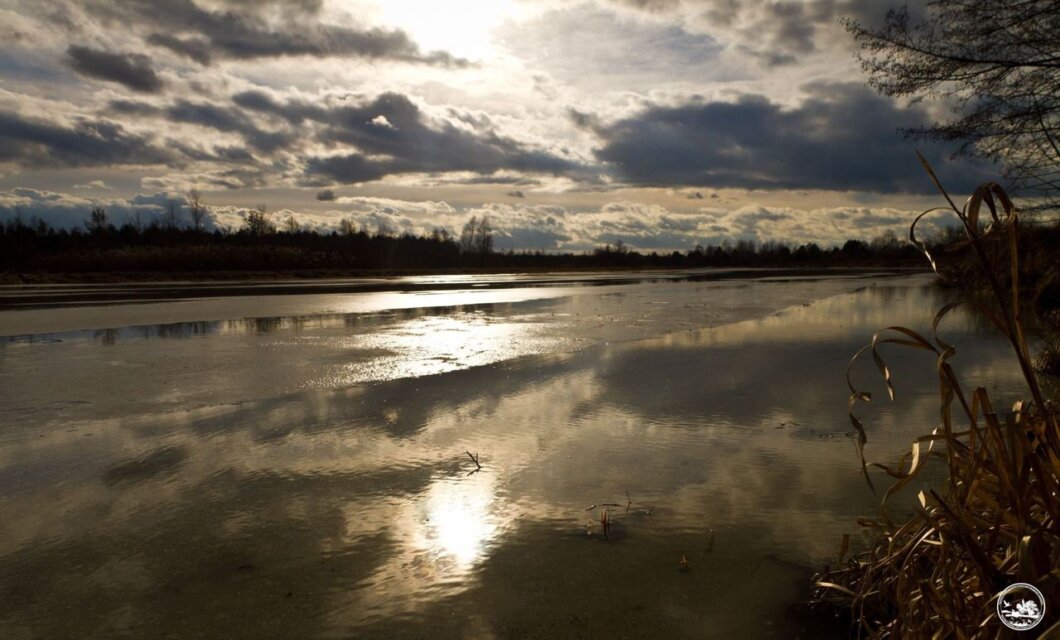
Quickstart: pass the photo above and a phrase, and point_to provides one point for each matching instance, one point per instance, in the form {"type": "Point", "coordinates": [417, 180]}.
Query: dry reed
{"type": "Point", "coordinates": [994, 521]}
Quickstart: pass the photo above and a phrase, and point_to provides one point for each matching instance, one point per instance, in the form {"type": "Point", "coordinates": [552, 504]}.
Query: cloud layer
{"type": "Point", "coordinates": [573, 124]}
{"type": "Point", "coordinates": [842, 137]}
{"type": "Point", "coordinates": [248, 31]}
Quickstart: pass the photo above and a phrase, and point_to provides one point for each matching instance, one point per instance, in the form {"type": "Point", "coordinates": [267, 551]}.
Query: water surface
{"type": "Point", "coordinates": [296, 466]}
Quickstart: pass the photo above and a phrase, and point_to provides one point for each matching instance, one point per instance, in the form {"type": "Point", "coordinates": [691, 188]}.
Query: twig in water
{"type": "Point", "coordinates": [474, 459]}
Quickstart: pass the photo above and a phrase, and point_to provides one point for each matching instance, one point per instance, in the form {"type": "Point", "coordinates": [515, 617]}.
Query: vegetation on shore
{"type": "Point", "coordinates": [995, 520]}
{"type": "Point", "coordinates": [168, 247]}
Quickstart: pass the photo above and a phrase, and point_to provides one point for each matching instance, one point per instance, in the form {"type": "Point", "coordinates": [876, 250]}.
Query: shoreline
{"type": "Point", "coordinates": [88, 293]}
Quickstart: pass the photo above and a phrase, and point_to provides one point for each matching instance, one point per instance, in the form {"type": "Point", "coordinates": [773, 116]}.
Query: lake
{"type": "Point", "coordinates": [280, 465]}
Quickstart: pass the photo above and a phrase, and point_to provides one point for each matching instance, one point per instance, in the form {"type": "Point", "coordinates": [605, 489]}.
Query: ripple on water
{"type": "Point", "coordinates": [236, 473]}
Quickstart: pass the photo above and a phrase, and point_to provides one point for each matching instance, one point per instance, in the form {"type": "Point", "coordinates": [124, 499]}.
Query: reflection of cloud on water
{"type": "Point", "coordinates": [402, 485]}
{"type": "Point", "coordinates": [358, 501]}
{"type": "Point", "coordinates": [839, 318]}
{"type": "Point", "coordinates": [269, 356]}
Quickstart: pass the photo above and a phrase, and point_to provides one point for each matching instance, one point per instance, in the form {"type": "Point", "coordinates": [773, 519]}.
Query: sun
{"type": "Point", "coordinates": [463, 28]}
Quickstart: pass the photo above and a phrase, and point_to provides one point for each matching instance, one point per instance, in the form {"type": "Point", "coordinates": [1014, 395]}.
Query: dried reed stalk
{"type": "Point", "coordinates": [994, 521]}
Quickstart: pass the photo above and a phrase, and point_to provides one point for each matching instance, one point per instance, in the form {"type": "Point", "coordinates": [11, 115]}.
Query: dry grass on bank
{"type": "Point", "coordinates": [994, 521]}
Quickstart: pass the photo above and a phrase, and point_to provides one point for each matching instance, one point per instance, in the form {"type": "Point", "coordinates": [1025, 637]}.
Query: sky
{"type": "Point", "coordinates": [659, 123]}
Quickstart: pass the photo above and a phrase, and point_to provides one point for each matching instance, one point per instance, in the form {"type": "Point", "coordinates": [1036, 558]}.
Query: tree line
{"type": "Point", "coordinates": [169, 244]}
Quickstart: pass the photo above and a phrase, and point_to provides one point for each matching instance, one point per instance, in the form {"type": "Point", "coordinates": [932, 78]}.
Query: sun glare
{"type": "Point", "coordinates": [460, 523]}
{"type": "Point", "coordinates": [461, 27]}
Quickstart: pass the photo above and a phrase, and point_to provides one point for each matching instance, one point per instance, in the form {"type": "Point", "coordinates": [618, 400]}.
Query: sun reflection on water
{"type": "Point", "coordinates": [459, 522]}
{"type": "Point", "coordinates": [431, 345]}
{"type": "Point", "coordinates": [442, 535]}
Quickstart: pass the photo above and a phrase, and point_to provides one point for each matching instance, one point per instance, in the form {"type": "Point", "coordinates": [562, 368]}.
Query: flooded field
{"type": "Point", "coordinates": [300, 465]}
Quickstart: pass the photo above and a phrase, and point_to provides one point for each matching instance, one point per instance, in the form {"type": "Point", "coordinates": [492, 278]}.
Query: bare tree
{"type": "Point", "coordinates": [468, 234]}
{"type": "Point", "coordinates": [97, 220]}
{"type": "Point", "coordinates": [257, 223]}
{"type": "Point", "coordinates": [290, 225]}
{"type": "Point", "coordinates": [484, 237]}
{"type": "Point", "coordinates": [347, 227]}
{"type": "Point", "coordinates": [197, 210]}
{"type": "Point", "coordinates": [997, 63]}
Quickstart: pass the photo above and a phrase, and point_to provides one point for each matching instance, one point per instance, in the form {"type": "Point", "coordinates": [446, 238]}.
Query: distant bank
{"type": "Point", "coordinates": [49, 290]}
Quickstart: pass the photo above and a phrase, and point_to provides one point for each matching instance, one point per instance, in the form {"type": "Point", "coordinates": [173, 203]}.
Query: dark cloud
{"type": "Point", "coordinates": [132, 108]}
{"type": "Point", "coordinates": [845, 137]}
{"type": "Point", "coordinates": [251, 30]}
{"type": "Point", "coordinates": [233, 154]}
{"type": "Point", "coordinates": [293, 111]}
{"type": "Point", "coordinates": [132, 70]}
{"type": "Point", "coordinates": [787, 31]}
{"type": "Point", "coordinates": [198, 49]}
{"type": "Point", "coordinates": [393, 136]}
{"type": "Point", "coordinates": [34, 143]}
{"type": "Point", "coordinates": [515, 194]}
{"type": "Point", "coordinates": [256, 100]}
{"type": "Point", "coordinates": [208, 115]}
{"type": "Point", "coordinates": [350, 169]}
{"type": "Point", "coordinates": [748, 221]}
{"type": "Point", "coordinates": [326, 195]}
{"type": "Point", "coordinates": [229, 120]}
{"type": "Point", "coordinates": [587, 121]}
{"type": "Point", "coordinates": [212, 116]}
